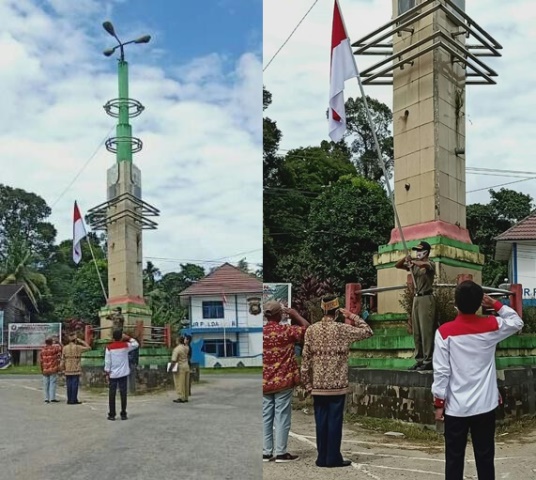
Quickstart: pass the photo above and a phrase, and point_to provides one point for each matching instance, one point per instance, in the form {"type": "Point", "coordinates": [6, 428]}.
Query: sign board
{"type": "Point", "coordinates": [280, 292]}
{"type": "Point", "coordinates": [1, 327]}
{"type": "Point", "coordinates": [214, 323]}
{"type": "Point", "coordinates": [31, 336]}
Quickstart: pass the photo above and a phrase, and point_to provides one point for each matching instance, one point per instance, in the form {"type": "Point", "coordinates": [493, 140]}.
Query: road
{"type": "Point", "coordinates": [377, 457]}
{"type": "Point", "coordinates": [217, 435]}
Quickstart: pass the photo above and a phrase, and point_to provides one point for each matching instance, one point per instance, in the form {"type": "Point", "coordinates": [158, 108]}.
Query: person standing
{"type": "Point", "coordinates": [181, 378]}
{"type": "Point", "coordinates": [117, 370]}
{"type": "Point", "coordinates": [465, 388]}
{"type": "Point", "coordinates": [72, 368]}
{"type": "Point", "coordinates": [50, 361]}
{"type": "Point", "coordinates": [324, 371]}
{"type": "Point", "coordinates": [423, 311]}
{"type": "Point", "coordinates": [280, 374]}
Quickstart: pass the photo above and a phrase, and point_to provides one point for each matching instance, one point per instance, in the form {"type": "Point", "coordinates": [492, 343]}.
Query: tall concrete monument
{"type": "Point", "coordinates": [124, 215]}
{"type": "Point", "coordinates": [436, 50]}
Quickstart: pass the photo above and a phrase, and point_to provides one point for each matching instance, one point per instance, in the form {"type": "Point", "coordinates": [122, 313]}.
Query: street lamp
{"type": "Point", "coordinates": [109, 51]}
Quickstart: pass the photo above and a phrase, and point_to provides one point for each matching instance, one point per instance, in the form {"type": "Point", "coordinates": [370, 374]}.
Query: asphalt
{"type": "Point", "coordinates": [217, 435]}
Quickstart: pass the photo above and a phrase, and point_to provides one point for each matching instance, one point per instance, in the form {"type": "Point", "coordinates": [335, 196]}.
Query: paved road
{"type": "Point", "coordinates": [217, 435]}
{"type": "Point", "coordinates": [377, 457]}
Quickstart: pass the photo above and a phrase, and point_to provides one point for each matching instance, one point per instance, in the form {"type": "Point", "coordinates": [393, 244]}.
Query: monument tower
{"type": "Point", "coordinates": [436, 50]}
{"type": "Point", "coordinates": [124, 215]}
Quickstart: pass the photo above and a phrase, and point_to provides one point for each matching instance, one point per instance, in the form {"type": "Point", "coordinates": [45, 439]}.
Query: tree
{"type": "Point", "coordinates": [345, 226]}
{"type": "Point", "coordinates": [22, 217]}
{"type": "Point", "coordinates": [87, 295]}
{"type": "Point", "coordinates": [271, 136]}
{"type": "Point", "coordinates": [150, 276]}
{"type": "Point", "coordinates": [363, 146]}
{"type": "Point", "coordinates": [18, 268]}
{"type": "Point", "coordinates": [243, 265]}
{"type": "Point", "coordinates": [486, 221]}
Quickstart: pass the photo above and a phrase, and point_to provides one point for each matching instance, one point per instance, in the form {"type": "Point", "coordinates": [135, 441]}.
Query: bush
{"type": "Point", "coordinates": [529, 317]}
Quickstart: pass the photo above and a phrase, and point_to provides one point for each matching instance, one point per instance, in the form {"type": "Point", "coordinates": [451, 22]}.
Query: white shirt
{"type": "Point", "coordinates": [116, 358]}
{"type": "Point", "coordinates": [465, 378]}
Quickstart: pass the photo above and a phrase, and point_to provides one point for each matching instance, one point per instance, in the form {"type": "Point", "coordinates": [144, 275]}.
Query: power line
{"type": "Point", "coordinates": [288, 38]}
{"type": "Point", "coordinates": [500, 185]}
{"type": "Point", "coordinates": [83, 168]}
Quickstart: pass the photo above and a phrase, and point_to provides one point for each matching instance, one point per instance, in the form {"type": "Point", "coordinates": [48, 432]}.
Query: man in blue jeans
{"type": "Point", "coordinates": [279, 376]}
{"type": "Point", "coordinates": [117, 370]}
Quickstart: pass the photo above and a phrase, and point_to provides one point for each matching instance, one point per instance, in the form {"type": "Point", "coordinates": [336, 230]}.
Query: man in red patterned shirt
{"type": "Point", "coordinates": [280, 374]}
{"type": "Point", "coordinates": [49, 359]}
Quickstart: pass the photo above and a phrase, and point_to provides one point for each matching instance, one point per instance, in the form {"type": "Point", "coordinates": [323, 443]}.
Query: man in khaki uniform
{"type": "Point", "coordinates": [423, 313]}
{"type": "Point", "coordinates": [181, 377]}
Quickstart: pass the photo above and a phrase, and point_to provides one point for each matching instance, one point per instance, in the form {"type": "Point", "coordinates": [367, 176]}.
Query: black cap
{"type": "Point", "coordinates": [423, 246]}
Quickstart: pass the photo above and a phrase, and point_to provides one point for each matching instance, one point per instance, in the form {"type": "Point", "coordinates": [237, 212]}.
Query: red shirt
{"type": "Point", "coordinates": [50, 358]}
{"type": "Point", "coordinates": [280, 370]}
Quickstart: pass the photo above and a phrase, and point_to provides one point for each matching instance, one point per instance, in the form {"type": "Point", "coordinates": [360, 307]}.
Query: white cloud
{"type": "Point", "coordinates": [499, 130]}
{"type": "Point", "coordinates": [201, 162]}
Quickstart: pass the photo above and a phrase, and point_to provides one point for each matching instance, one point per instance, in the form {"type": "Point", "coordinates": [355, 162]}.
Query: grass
{"type": "Point", "coordinates": [412, 431]}
{"type": "Point", "coordinates": [21, 370]}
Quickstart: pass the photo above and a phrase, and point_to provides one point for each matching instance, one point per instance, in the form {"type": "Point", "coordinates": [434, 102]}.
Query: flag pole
{"type": "Point", "coordinates": [376, 143]}
{"type": "Point", "coordinates": [97, 269]}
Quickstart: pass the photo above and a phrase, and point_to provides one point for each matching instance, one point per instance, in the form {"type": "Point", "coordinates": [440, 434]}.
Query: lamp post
{"type": "Point", "coordinates": [123, 108]}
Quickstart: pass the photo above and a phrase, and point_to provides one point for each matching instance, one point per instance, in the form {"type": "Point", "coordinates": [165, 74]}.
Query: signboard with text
{"type": "Point", "coordinates": [1, 327]}
{"type": "Point", "coordinates": [214, 323]}
{"type": "Point", "coordinates": [31, 336]}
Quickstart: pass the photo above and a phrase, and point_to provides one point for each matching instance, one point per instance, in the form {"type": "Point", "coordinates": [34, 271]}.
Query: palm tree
{"type": "Point", "coordinates": [17, 269]}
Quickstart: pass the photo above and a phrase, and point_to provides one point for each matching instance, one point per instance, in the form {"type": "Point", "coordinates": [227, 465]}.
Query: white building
{"type": "Point", "coordinates": [518, 246]}
{"type": "Point", "coordinates": [225, 315]}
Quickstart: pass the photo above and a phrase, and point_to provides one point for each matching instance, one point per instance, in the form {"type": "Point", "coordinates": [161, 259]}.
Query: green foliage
{"type": "Point", "coordinates": [529, 317]}
{"type": "Point", "coordinates": [486, 222]}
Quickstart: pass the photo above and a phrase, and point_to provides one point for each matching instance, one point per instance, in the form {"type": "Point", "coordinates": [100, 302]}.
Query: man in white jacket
{"type": "Point", "coordinates": [465, 380]}
{"type": "Point", "coordinates": [117, 370]}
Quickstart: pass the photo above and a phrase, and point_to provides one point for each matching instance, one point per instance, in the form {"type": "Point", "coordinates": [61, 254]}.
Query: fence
{"type": "Point", "coordinates": [147, 336]}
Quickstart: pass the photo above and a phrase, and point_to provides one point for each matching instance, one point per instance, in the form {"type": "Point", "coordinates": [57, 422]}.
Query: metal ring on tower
{"type": "Point", "coordinates": [113, 142]}
{"type": "Point", "coordinates": [133, 106]}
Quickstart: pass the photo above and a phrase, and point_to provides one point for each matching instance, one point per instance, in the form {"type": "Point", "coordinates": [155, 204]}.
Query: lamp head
{"type": "Point", "coordinates": [144, 39]}
{"type": "Point", "coordinates": [109, 51]}
{"type": "Point", "coordinates": [109, 28]}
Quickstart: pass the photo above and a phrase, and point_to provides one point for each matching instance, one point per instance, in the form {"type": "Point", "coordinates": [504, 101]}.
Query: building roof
{"type": "Point", "coordinates": [7, 292]}
{"type": "Point", "coordinates": [523, 231]}
{"type": "Point", "coordinates": [225, 279]}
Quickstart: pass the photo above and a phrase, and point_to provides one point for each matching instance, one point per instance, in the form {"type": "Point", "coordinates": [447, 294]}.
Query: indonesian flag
{"type": "Point", "coordinates": [79, 232]}
{"type": "Point", "coordinates": [343, 68]}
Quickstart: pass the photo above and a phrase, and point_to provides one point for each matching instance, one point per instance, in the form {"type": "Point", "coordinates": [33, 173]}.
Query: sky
{"type": "Point", "coordinates": [200, 80]}
{"type": "Point", "coordinates": [500, 119]}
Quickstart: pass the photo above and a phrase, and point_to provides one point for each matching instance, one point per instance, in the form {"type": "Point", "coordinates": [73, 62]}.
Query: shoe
{"type": "Point", "coordinates": [425, 367]}
{"type": "Point", "coordinates": [55, 401]}
{"type": "Point", "coordinates": [109, 417]}
{"type": "Point", "coordinates": [124, 417]}
{"type": "Point", "coordinates": [267, 458]}
{"type": "Point", "coordinates": [47, 401]}
{"type": "Point", "coordinates": [415, 367]}
{"type": "Point", "coordinates": [178, 400]}
{"type": "Point", "coordinates": [345, 463]}
{"type": "Point", "coordinates": [287, 457]}
{"type": "Point", "coordinates": [76, 403]}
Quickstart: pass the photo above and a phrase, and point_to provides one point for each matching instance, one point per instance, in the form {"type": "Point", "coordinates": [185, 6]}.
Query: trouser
{"type": "Point", "coordinates": [49, 386]}
{"type": "Point", "coordinates": [182, 382]}
{"type": "Point", "coordinates": [424, 327]}
{"type": "Point", "coordinates": [71, 383]}
{"type": "Point", "coordinates": [122, 384]}
{"type": "Point", "coordinates": [276, 412]}
{"type": "Point", "coordinates": [329, 411]}
{"type": "Point", "coordinates": [482, 428]}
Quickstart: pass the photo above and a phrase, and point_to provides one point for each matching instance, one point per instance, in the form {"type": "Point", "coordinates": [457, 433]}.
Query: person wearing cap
{"type": "Point", "coordinates": [324, 372]}
{"type": "Point", "coordinates": [72, 368]}
{"type": "Point", "coordinates": [280, 374]}
{"type": "Point", "coordinates": [117, 319]}
{"type": "Point", "coordinates": [423, 311]}
{"type": "Point", "coordinates": [465, 389]}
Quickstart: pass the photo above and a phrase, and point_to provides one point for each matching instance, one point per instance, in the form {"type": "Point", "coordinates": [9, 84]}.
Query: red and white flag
{"type": "Point", "coordinates": [79, 232]}
{"type": "Point", "coordinates": [343, 68]}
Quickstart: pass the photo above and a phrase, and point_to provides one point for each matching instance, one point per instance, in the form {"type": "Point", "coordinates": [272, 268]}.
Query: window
{"type": "Point", "coordinates": [212, 309]}
{"type": "Point", "coordinates": [405, 5]}
{"type": "Point", "coordinates": [217, 348]}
